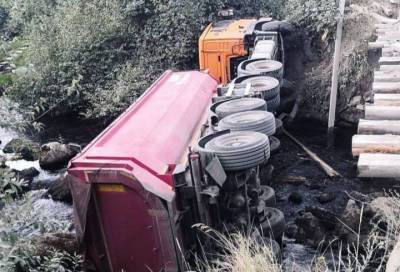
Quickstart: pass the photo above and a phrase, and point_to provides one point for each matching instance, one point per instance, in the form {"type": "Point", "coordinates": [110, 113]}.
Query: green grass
{"type": "Point", "coordinates": [5, 80]}
{"type": "Point", "coordinates": [21, 59]}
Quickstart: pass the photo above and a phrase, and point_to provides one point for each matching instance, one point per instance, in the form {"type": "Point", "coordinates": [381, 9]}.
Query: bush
{"type": "Point", "coordinates": [25, 220]}
{"type": "Point", "coordinates": [77, 52]}
{"type": "Point", "coordinates": [107, 102]}
{"type": "Point", "coordinates": [78, 49]}
{"type": "Point", "coordinates": [10, 186]}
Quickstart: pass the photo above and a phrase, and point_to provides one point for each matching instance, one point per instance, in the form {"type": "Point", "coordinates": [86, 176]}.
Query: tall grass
{"type": "Point", "coordinates": [240, 252]}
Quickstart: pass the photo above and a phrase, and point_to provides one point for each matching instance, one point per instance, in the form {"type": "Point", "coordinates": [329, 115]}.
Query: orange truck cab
{"type": "Point", "coordinates": [225, 44]}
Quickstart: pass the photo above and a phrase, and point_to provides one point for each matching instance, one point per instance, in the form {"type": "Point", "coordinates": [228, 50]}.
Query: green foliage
{"type": "Point", "coordinates": [316, 16]}
{"type": "Point", "coordinates": [127, 86]}
{"type": "Point", "coordinates": [5, 80]}
{"type": "Point", "coordinates": [25, 220]}
{"type": "Point", "coordinates": [80, 50]}
{"type": "Point", "coordinates": [10, 185]}
{"type": "Point", "coordinates": [18, 14]}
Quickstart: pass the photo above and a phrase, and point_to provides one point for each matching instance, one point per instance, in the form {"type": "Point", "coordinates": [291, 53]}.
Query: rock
{"type": "Point", "coordinates": [360, 197]}
{"type": "Point", "coordinates": [349, 227]}
{"type": "Point", "coordinates": [327, 218]}
{"type": "Point", "coordinates": [3, 162]}
{"type": "Point", "coordinates": [326, 197]}
{"type": "Point", "coordinates": [27, 149]}
{"type": "Point", "coordinates": [291, 230]}
{"type": "Point", "coordinates": [54, 156]}
{"type": "Point", "coordinates": [296, 198]}
{"type": "Point", "coordinates": [59, 191]}
{"type": "Point", "coordinates": [309, 230]}
{"type": "Point", "coordinates": [27, 174]}
{"type": "Point", "coordinates": [313, 185]}
{"type": "Point", "coordinates": [42, 184]}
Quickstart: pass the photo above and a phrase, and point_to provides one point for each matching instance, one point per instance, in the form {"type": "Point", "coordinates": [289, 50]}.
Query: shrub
{"type": "Point", "coordinates": [107, 102]}
{"type": "Point", "coordinates": [10, 186]}
{"type": "Point", "coordinates": [24, 220]}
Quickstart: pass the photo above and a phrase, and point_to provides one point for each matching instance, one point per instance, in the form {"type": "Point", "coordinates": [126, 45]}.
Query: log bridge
{"type": "Point", "coordinates": [377, 143]}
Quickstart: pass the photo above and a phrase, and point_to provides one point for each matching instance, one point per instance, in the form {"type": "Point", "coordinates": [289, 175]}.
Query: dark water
{"type": "Point", "coordinates": [292, 161]}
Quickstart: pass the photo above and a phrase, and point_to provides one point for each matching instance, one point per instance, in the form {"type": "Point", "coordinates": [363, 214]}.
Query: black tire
{"type": "Point", "coordinates": [274, 143]}
{"type": "Point", "coordinates": [287, 89]}
{"type": "Point", "coordinates": [274, 103]}
{"type": "Point", "coordinates": [240, 149]}
{"type": "Point", "coordinates": [274, 224]}
{"type": "Point", "coordinates": [268, 196]}
{"type": "Point", "coordinates": [259, 121]}
{"type": "Point", "coordinates": [262, 67]}
{"type": "Point", "coordinates": [267, 86]}
{"type": "Point", "coordinates": [240, 105]}
{"type": "Point", "coordinates": [279, 127]}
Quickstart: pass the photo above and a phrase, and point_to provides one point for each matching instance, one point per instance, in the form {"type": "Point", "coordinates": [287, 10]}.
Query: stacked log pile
{"type": "Point", "coordinates": [378, 141]}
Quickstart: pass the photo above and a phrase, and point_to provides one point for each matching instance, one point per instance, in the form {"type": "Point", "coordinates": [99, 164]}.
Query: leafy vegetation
{"type": "Point", "coordinates": [82, 51]}
{"type": "Point", "coordinates": [10, 185]}
{"type": "Point", "coordinates": [23, 223]}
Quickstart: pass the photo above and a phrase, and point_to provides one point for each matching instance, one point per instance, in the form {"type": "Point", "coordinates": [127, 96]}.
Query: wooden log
{"type": "Point", "coordinates": [387, 99]}
{"type": "Point", "coordinates": [376, 45]}
{"type": "Point", "coordinates": [386, 87]}
{"type": "Point", "coordinates": [389, 68]}
{"type": "Point", "coordinates": [389, 144]}
{"type": "Point", "coordinates": [386, 26]}
{"type": "Point", "coordinates": [393, 76]}
{"type": "Point", "coordinates": [378, 127]}
{"type": "Point", "coordinates": [379, 166]}
{"type": "Point", "coordinates": [389, 61]}
{"type": "Point", "coordinates": [382, 112]}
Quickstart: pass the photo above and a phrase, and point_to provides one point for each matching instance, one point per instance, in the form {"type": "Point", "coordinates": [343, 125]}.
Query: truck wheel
{"type": "Point", "coordinates": [262, 67]}
{"type": "Point", "coordinates": [268, 87]}
{"type": "Point", "coordinates": [240, 105]}
{"type": "Point", "coordinates": [268, 196]}
{"type": "Point", "coordinates": [288, 88]}
{"type": "Point", "coordinates": [259, 121]}
{"type": "Point", "coordinates": [274, 103]}
{"type": "Point", "coordinates": [279, 126]}
{"type": "Point", "coordinates": [240, 150]}
{"type": "Point", "coordinates": [274, 143]}
{"type": "Point", "coordinates": [274, 224]}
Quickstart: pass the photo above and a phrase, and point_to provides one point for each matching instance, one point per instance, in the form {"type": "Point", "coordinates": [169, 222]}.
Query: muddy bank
{"type": "Point", "coordinates": [304, 190]}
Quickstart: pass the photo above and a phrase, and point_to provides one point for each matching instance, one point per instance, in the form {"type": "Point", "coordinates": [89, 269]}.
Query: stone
{"type": "Point", "coordinates": [291, 230]}
{"type": "Point", "coordinates": [54, 155]}
{"type": "Point", "coordinates": [42, 184]}
{"type": "Point", "coordinates": [59, 191]}
{"type": "Point", "coordinates": [327, 218]}
{"type": "Point", "coordinates": [349, 227]}
{"type": "Point", "coordinates": [27, 149]}
{"type": "Point", "coordinates": [296, 198]}
{"type": "Point", "coordinates": [309, 229]}
{"type": "Point", "coordinates": [27, 174]}
{"type": "Point", "coordinates": [324, 198]}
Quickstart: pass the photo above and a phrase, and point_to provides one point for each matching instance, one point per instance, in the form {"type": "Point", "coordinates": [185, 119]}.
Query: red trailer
{"type": "Point", "coordinates": [123, 182]}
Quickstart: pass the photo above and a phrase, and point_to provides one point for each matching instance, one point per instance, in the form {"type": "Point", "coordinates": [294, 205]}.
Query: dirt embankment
{"type": "Point", "coordinates": [309, 63]}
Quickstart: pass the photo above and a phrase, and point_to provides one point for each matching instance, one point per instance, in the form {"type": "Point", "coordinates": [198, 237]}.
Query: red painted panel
{"type": "Point", "coordinates": [156, 130]}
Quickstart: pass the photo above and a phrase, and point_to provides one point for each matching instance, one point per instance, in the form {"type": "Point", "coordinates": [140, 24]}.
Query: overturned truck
{"type": "Point", "coordinates": [188, 151]}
